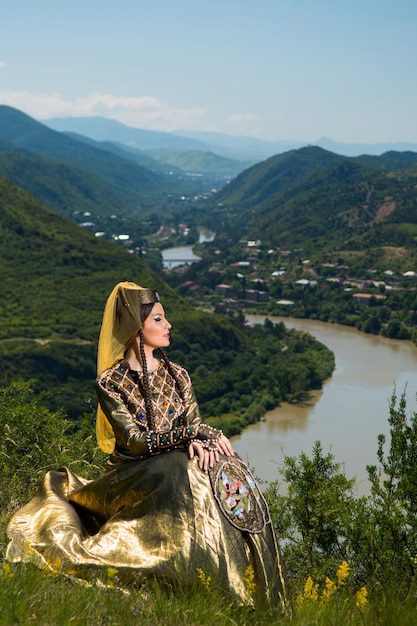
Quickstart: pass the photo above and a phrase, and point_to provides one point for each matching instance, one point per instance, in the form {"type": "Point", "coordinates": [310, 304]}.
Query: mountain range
{"type": "Point", "coordinates": [74, 174]}
{"type": "Point", "coordinates": [125, 177]}
{"type": "Point", "coordinates": [161, 146]}
{"type": "Point", "coordinates": [247, 149]}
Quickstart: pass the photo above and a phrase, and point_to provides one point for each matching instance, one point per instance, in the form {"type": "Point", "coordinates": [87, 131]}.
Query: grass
{"type": "Point", "coordinates": [30, 596]}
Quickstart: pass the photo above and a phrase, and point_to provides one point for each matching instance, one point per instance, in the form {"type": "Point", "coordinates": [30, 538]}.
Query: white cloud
{"type": "Point", "coordinates": [243, 117]}
{"type": "Point", "coordinates": [140, 111]}
{"type": "Point", "coordinates": [2, 65]}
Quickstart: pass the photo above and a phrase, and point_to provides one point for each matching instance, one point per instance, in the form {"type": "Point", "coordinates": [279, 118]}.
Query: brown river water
{"type": "Point", "coordinates": [347, 415]}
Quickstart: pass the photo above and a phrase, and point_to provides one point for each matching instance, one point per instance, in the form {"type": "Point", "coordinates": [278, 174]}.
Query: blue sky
{"type": "Point", "coordinates": [273, 69]}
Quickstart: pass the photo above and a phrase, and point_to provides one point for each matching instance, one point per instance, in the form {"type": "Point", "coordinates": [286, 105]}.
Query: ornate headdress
{"type": "Point", "coordinates": [121, 322]}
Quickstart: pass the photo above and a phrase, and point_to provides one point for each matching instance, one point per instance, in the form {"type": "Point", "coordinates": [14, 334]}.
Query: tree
{"type": "Point", "coordinates": [372, 325]}
{"type": "Point", "coordinates": [313, 518]}
{"type": "Point", "coordinates": [394, 495]}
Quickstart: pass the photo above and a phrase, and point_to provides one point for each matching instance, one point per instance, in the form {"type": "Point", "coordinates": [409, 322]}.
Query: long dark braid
{"type": "Point", "coordinates": [147, 391]}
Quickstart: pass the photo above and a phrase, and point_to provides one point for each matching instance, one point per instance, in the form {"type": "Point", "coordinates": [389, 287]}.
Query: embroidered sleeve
{"type": "Point", "coordinates": [127, 432]}
{"type": "Point", "coordinates": [168, 439]}
{"type": "Point", "coordinates": [207, 436]}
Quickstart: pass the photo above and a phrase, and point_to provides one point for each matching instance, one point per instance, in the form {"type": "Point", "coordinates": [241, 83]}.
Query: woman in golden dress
{"type": "Point", "coordinates": [175, 500]}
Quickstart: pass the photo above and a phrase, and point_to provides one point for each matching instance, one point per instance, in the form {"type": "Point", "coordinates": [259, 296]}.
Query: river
{"type": "Point", "coordinates": [184, 255]}
{"type": "Point", "coordinates": [180, 255]}
{"type": "Point", "coordinates": [347, 414]}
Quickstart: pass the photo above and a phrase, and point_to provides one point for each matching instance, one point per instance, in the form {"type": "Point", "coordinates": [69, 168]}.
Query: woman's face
{"type": "Point", "coordinates": [155, 329]}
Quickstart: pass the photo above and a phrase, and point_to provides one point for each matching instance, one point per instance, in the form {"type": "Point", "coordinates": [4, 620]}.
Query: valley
{"type": "Point", "coordinates": [307, 233]}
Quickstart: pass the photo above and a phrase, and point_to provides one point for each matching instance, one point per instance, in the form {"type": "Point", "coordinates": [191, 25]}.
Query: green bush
{"type": "Point", "coordinates": [35, 440]}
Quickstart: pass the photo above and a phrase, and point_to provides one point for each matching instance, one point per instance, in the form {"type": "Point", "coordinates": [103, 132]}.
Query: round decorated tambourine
{"type": "Point", "coordinates": [238, 494]}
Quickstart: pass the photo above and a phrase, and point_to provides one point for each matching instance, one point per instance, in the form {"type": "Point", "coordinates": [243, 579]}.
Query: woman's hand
{"type": "Point", "coordinates": [206, 458]}
{"type": "Point", "coordinates": [224, 446]}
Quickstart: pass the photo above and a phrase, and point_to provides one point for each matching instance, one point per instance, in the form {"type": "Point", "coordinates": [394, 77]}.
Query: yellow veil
{"type": "Point", "coordinates": [121, 322]}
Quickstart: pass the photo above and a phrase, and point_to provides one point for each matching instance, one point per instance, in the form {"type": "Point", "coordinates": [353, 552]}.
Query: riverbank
{"type": "Point", "coordinates": [347, 415]}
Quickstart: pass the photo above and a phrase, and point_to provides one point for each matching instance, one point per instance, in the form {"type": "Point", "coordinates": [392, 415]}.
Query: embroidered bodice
{"type": "Point", "coordinates": [126, 385]}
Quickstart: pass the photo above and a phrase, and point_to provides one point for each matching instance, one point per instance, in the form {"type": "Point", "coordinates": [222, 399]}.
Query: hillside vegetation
{"type": "Point", "coordinates": [59, 185]}
{"type": "Point", "coordinates": [313, 234]}
{"type": "Point", "coordinates": [321, 202]}
{"type": "Point", "coordinates": [128, 179]}
{"type": "Point", "coordinates": [73, 174]}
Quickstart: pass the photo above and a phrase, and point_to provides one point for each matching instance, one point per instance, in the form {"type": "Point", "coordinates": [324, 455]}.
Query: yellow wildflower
{"type": "Point", "coordinates": [112, 571]}
{"type": "Point", "coordinates": [205, 580]}
{"type": "Point", "coordinates": [329, 589]}
{"type": "Point", "coordinates": [7, 570]}
{"type": "Point", "coordinates": [111, 574]}
{"type": "Point", "coordinates": [342, 573]}
{"type": "Point", "coordinates": [362, 598]}
{"type": "Point", "coordinates": [299, 600]}
{"type": "Point", "coordinates": [311, 590]}
{"type": "Point", "coordinates": [249, 582]}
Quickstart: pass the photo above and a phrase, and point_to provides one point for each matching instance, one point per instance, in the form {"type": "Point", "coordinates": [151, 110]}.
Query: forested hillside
{"type": "Point", "coordinates": [312, 234]}
{"type": "Point", "coordinates": [59, 185]}
{"type": "Point", "coordinates": [55, 278]}
{"type": "Point", "coordinates": [322, 202]}
{"type": "Point", "coordinates": [128, 179]}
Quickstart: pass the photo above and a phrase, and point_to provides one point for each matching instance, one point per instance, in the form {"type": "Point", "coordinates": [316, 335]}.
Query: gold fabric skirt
{"type": "Point", "coordinates": [150, 517]}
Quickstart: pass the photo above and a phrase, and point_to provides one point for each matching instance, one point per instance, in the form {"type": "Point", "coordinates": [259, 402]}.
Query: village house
{"type": "Point", "coordinates": [364, 298]}
{"type": "Point", "coordinates": [223, 290]}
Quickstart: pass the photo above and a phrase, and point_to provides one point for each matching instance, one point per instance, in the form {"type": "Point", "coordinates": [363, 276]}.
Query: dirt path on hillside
{"type": "Point", "coordinates": [43, 342]}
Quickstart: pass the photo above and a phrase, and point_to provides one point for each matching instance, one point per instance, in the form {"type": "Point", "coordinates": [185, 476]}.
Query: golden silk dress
{"type": "Point", "coordinates": [154, 513]}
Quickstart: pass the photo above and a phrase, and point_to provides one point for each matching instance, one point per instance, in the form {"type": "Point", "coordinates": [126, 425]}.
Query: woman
{"type": "Point", "coordinates": [175, 499]}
